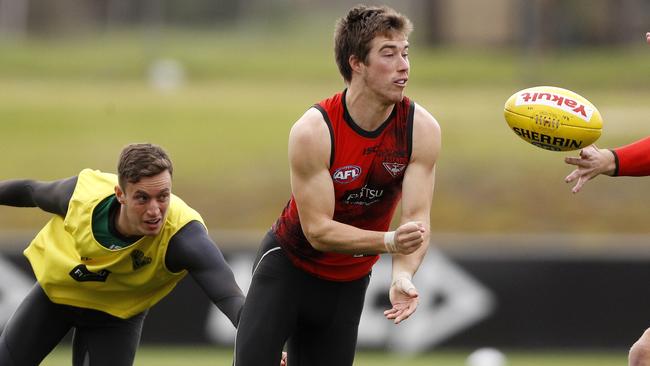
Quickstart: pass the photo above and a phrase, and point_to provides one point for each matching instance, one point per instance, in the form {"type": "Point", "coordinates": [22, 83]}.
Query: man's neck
{"type": "Point", "coordinates": [366, 109]}
{"type": "Point", "coordinates": [120, 222]}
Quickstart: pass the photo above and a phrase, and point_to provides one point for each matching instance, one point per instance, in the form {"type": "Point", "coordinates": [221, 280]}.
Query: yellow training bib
{"type": "Point", "coordinates": [74, 269]}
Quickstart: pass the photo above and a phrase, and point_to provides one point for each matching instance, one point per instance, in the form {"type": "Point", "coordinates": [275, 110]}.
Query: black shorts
{"type": "Point", "coordinates": [38, 325]}
{"type": "Point", "coordinates": [318, 319]}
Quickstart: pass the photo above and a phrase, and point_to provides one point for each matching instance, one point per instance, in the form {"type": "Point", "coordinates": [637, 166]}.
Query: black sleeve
{"type": "Point", "coordinates": [192, 249]}
{"type": "Point", "coordinates": [49, 196]}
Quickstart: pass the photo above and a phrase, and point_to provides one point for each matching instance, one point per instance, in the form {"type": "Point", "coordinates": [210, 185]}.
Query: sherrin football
{"type": "Point", "coordinates": [553, 118]}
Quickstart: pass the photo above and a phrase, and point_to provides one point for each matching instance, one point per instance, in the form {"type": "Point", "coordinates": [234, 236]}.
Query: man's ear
{"type": "Point", "coordinates": [119, 193]}
{"type": "Point", "coordinates": [355, 63]}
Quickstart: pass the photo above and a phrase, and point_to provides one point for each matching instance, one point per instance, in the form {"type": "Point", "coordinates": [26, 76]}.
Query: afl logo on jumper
{"type": "Point", "coordinates": [346, 174]}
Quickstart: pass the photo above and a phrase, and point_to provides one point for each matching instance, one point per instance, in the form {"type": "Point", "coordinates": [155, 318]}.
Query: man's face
{"type": "Point", "coordinates": [387, 69]}
{"type": "Point", "coordinates": [144, 205]}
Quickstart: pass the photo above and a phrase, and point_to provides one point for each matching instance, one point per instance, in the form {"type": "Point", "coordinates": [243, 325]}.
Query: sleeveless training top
{"type": "Point", "coordinates": [367, 169]}
{"type": "Point", "coordinates": [74, 269]}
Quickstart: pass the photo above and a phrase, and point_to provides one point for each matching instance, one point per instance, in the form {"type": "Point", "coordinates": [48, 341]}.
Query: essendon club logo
{"type": "Point", "coordinates": [395, 169]}
{"type": "Point", "coordinates": [346, 174]}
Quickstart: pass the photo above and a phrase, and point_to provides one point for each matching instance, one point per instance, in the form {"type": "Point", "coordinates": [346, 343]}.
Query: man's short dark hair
{"type": "Point", "coordinates": [359, 27]}
{"type": "Point", "coordinates": [142, 160]}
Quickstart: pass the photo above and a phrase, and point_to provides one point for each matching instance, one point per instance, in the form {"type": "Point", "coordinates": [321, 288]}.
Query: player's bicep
{"type": "Point", "coordinates": [311, 185]}
{"type": "Point", "coordinates": [314, 195]}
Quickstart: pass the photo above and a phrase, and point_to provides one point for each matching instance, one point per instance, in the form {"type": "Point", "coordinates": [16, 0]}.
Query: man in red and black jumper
{"type": "Point", "coordinates": [354, 157]}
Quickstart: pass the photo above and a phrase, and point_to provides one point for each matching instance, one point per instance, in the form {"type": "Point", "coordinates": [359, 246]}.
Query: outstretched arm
{"type": "Point", "coordinates": [417, 193]}
{"type": "Point", "coordinates": [192, 249]}
{"type": "Point", "coordinates": [629, 160]}
{"type": "Point", "coordinates": [591, 162]}
{"type": "Point", "coordinates": [49, 196]}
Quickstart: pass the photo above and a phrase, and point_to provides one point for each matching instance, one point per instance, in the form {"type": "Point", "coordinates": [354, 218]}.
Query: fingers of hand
{"type": "Point", "coordinates": [411, 237]}
{"type": "Point", "coordinates": [584, 161]}
{"type": "Point", "coordinates": [408, 247]}
{"type": "Point", "coordinates": [390, 313]}
{"type": "Point", "coordinates": [573, 176]}
{"type": "Point", "coordinates": [578, 186]}
{"type": "Point", "coordinates": [583, 157]}
{"type": "Point", "coordinates": [396, 310]}
{"type": "Point", "coordinates": [572, 160]}
{"type": "Point", "coordinates": [411, 227]}
{"type": "Point", "coordinates": [406, 313]}
{"type": "Point", "coordinates": [401, 311]}
{"type": "Point", "coordinates": [589, 151]}
{"type": "Point", "coordinates": [408, 242]}
{"type": "Point", "coordinates": [581, 162]}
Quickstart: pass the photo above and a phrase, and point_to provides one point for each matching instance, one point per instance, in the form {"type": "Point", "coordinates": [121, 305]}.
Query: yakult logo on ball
{"type": "Point", "coordinates": [556, 100]}
{"type": "Point", "coordinates": [346, 174]}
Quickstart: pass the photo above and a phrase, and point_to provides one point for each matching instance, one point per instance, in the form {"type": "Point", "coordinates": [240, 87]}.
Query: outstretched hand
{"type": "Point", "coordinates": [404, 298]}
{"type": "Point", "coordinates": [591, 162]}
{"type": "Point", "coordinates": [647, 37]}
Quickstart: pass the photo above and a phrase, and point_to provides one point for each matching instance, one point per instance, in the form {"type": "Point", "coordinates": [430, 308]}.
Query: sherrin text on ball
{"type": "Point", "coordinates": [553, 118]}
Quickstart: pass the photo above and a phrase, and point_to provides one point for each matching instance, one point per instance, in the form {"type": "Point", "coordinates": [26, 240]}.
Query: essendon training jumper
{"type": "Point", "coordinates": [367, 169]}
{"type": "Point", "coordinates": [633, 159]}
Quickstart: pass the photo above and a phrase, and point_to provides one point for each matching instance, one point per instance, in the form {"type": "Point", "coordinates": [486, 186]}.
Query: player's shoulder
{"type": "Point", "coordinates": [309, 141]}
{"type": "Point", "coordinates": [426, 136]}
{"type": "Point", "coordinates": [309, 128]}
{"type": "Point", "coordinates": [312, 117]}
{"type": "Point", "coordinates": [423, 119]}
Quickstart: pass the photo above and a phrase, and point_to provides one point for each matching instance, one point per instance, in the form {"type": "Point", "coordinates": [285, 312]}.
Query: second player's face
{"type": "Point", "coordinates": [144, 205]}
{"type": "Point", "coordinates": [387, 68]}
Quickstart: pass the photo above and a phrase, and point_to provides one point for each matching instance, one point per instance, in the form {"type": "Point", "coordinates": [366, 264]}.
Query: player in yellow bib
{"type": "Point", "coordinates": [115, 246]}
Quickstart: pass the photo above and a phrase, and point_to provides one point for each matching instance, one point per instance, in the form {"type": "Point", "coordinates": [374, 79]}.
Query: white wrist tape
{"type": "Point", "coordinates": [402, 276]}
{"type": "Point", "coordinates": [389, 242]}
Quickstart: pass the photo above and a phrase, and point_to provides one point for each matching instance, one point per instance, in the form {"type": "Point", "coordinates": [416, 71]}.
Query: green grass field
{"type": "Point", "coordinates": [200, 356]}
{"type": "Point", "coordinates": [70, 104]}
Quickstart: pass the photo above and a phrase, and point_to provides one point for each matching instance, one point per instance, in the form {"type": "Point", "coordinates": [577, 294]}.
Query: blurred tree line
{"type": "Point", "coordinates": [537, 23]}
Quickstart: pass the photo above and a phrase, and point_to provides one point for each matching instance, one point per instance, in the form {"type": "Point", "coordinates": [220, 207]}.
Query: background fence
{"type": "Point", "coordinates": [553, 299]}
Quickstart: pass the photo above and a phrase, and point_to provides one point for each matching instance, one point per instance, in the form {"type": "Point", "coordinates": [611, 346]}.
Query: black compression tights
{"type": "Point", "coordinates": [38, 325]}
{"type": "Point", "coordinates": [317, 319]}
